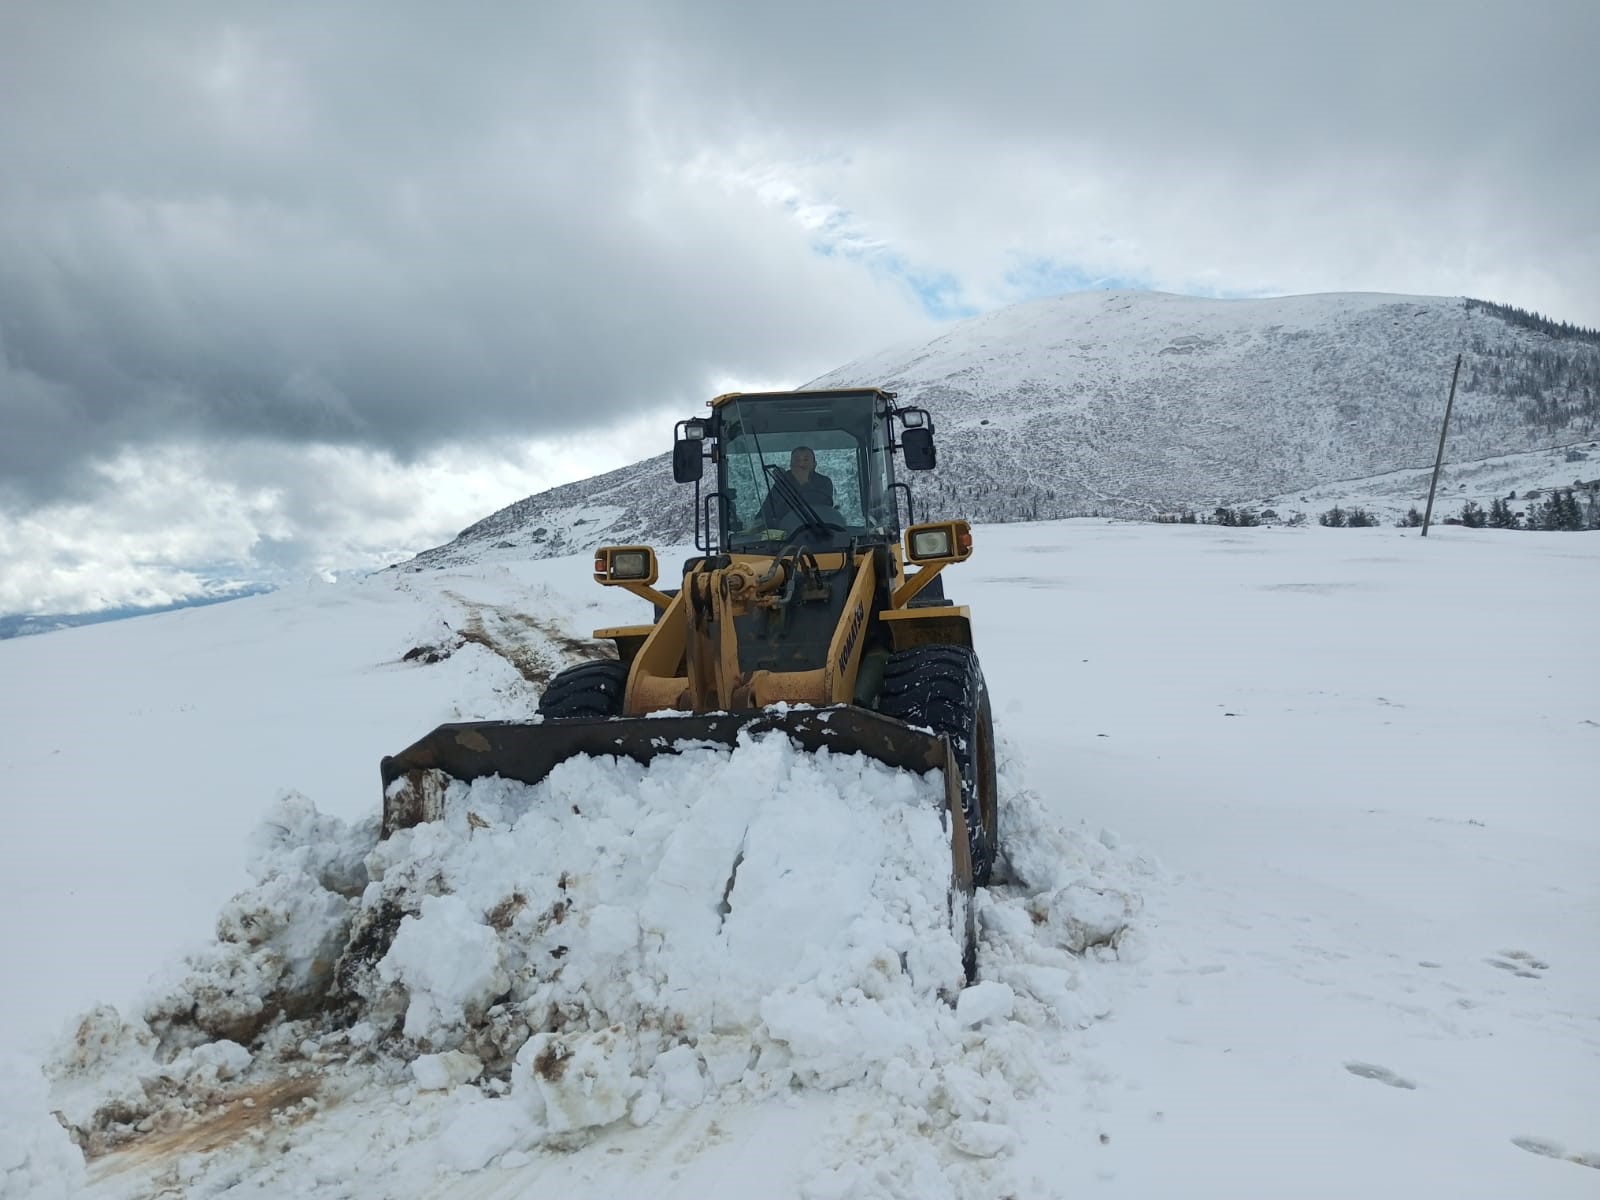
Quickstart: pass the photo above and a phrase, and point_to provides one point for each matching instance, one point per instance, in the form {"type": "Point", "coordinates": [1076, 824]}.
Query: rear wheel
{"type": "Point", "coordinates": [591, 689]}
{"type": "Point", "coordinates": [942, 688]}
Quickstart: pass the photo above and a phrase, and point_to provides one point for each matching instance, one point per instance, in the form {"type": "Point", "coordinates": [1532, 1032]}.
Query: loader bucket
{"type": "Point", "coordinates": [414, 780]}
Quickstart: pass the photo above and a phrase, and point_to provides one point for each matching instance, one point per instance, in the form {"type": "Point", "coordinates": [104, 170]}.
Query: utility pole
{"type": "Point", "coordinates": [1438, 459]}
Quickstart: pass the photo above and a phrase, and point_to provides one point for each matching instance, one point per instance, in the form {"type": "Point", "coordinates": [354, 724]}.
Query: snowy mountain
{"type": "Point", "coordinates": [1301, 899]}
{"type": "Point", "coordinates": [1137, 403]}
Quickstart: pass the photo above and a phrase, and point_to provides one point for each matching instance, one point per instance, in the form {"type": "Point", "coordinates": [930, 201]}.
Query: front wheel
{"type": "Point", "coordinates": [591, 689]}
{"type": "Point", "coordinates": [942, 688]}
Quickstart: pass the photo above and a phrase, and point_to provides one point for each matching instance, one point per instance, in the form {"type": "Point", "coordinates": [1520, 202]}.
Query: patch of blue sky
{"type": "Point", "coordinates": [940, 293]}
{"type": "Point", "coordinates": [1039, 278]}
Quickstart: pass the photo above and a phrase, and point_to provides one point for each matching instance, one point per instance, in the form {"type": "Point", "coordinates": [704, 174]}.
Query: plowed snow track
{"type": "Point", "coordinates": [537, 647]}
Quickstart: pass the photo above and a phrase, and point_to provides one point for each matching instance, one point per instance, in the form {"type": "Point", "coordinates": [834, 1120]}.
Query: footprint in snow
{"type": "Point", "coordinates": [1523, 956]}
{"type": "Point", "coordinates": [1520, 963]}
{"type": "Point", "coordinates": [1551, 1149]}
{"type": "Point", "coordinates": [1381, 1074]}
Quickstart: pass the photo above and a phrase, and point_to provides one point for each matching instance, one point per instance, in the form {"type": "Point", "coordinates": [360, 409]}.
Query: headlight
{"type": "Point", "coordinates": [630, 564]}
{"type": "Point", "coordinates": [931, 543]}
{"type": "Point", "coordinates": [626, 565]}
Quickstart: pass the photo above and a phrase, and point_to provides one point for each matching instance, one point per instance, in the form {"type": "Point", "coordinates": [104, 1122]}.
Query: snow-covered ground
{"type": "Point", "coordinates": [1303, 898]}
{"type": "Point", "coordinates": [1523, 480]}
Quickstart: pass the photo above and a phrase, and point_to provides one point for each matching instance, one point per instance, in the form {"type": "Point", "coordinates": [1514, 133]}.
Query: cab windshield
{"type": "Point", "coordinates": [814, 472]}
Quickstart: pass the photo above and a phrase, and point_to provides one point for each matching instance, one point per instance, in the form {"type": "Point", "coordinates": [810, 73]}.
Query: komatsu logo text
{"type": "Point", "coordinates": [857, 619]}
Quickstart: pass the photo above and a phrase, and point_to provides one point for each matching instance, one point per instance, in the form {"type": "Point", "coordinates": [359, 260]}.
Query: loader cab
{"type": "Point", "coordinates": [759, 505]}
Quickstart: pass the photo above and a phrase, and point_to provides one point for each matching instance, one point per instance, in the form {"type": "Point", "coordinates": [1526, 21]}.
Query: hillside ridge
{"type": "Point", "coordinates": [1131, 404]}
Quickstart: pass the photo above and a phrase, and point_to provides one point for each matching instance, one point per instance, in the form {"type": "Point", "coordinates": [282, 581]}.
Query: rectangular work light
{"type": "Point", "coordinates": [931, 543]}
{"type": "Point", "coordinates": [939, 541]}
{"type": "Point", "coordinates": [625, 564]}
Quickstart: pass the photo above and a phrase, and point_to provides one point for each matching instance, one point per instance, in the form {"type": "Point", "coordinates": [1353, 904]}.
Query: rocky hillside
{"type": "Point", "coordinates": [1137, 403]}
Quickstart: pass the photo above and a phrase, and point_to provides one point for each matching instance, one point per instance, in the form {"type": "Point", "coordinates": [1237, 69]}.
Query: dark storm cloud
{"type": "Point", "coordinates": [396, 225]}
{"type": "Point", "coordinates": [389, 228]}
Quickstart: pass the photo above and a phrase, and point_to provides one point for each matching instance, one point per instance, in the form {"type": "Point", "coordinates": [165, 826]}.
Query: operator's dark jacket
{"type": "Point", "coordinates": [817, 492]}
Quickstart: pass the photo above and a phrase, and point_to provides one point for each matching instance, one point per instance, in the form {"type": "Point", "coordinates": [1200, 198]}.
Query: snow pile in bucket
{"type": "Point", "coordinates": [544, 964]}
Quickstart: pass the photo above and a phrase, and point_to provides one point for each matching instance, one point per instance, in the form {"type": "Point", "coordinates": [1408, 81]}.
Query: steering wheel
{"type": "Point", "coordinates": [830, 521]}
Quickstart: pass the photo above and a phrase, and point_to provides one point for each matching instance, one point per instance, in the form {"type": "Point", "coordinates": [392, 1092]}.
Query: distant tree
{"type": "Point", "coordinates": [1188, 518]}
{"type": "Point", "coordinates": [1501, 516]}
{"type": "Point", "coordinates": [1472, 516]}
{"type": "Point", "coordinates": [1552, 515]}
{"type": "Point", "coordinates": [1532, 320]}
{"type": "Point", "coordinates": [1572, 512]}
{"type": "Point", "coordinates": [1242, 517]}
{"type": "Point", "coordinates": [1411, 520]}
{"type": "Point", "coordinates": [1334, 518]}
{"type": "Point", "coordinates": [1360, 518]}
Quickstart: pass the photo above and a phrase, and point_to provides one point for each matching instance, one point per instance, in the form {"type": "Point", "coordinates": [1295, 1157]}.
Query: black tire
{"type": "Point", "coordinates": [591, 689]}
{"type": "Point", "coordinates": [942, 688]}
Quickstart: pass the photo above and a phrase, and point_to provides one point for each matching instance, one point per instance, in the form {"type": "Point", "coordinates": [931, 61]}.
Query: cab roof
{"type": "Point", "coordinates": [820, 394]}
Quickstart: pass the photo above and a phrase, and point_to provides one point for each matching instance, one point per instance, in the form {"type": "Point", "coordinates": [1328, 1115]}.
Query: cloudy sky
{"type": "Point", "coordinates": [289, 288]}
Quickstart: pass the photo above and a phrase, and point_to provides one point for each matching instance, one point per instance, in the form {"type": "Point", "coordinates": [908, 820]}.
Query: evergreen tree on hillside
{"type": "Point", "coordinates": [1560, 512]}
{"type": "Point", "coordinates": [1547, 515]}
{"type": "Point", "coordinates": [1571, 513]}
{"type": "Point", "coordinates": [1513, 315]}
{"type": "Point", "coordinates": [1473, 516]}
{"type": "Point", "coordinates": [1360, 518]}
{"type": "Point", "coordinates": [1553, 514]}
{"type": "Point", "coordinates": [1334, 518]}
{"type": "Point", "coordinates": [1501, 516]}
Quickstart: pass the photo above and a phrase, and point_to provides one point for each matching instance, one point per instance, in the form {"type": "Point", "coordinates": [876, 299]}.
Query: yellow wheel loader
{"type": "Point", "coordinates": [809, 610]}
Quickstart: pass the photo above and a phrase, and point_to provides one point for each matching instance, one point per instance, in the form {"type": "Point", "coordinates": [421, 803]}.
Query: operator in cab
{"type": "Point", "coordinates": [815, 489]}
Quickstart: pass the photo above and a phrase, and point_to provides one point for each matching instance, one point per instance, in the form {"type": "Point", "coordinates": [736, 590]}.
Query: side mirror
{"type": "Point", "coordinates": [688, 464]}
{"type": "Point", "coordinates": [917, 445]}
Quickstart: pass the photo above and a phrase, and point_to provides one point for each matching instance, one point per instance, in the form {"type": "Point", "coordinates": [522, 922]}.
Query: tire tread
{"type": "Point", "coordinates": [940, 687]}
{"type": "Point", "coordinates": [591, 689]}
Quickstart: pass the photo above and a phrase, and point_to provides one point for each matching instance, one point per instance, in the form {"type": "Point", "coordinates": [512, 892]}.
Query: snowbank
{"type": "Point", "coordinates": [617, 943]}
{"type": "Point", "coordinates": [36, 1160]}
